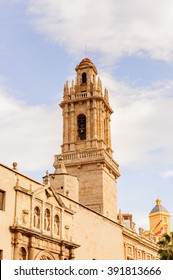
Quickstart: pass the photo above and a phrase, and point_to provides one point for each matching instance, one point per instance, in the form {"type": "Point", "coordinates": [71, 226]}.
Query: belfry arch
{"type": "Point", "coordinates": [81, 126]}
{"type": "Point", "coordinates": [84, 78]}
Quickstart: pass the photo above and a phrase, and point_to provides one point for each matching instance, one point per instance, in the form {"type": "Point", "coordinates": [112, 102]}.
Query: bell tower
{"type": "Point", "coordinates": [159, 219]}
{"type": "Point", "coordinates": [86, 146]}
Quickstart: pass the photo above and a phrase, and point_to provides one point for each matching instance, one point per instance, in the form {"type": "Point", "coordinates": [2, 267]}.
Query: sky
{"type": "Point", "coordinates": [131, 44]}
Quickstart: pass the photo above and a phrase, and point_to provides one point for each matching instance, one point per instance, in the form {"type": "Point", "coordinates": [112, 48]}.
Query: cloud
{"type": "Point", "coordinates": [167, 174]}
{"type": "Point", "coordinates": [141, 123]}
{"type": "Point", "coordinates": [113, 28]}
{"type": "Point", "coordinates": [29, 134]}
{"type": "Point", "coordinates": [12, 2]}
{"type": "Point", "coordinates": [141, 133]}
{"type": "Point", "coordinates": [141, 127]}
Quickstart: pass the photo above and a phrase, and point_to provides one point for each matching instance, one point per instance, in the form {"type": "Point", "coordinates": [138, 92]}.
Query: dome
{"type": "Point", "coordinates": [86, 59]}
{"type": "Point", "coordinates": [158, 207]}
{"type": "Point", "coordinates": [86, 63]}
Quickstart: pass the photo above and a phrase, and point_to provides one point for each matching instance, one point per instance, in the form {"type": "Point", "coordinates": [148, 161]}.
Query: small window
{"type": "Point", "coordinates": [2, 200]}
{"type": "Point", "coordinates": [1, 254]}
{"type": "Point", "coordinates": [84, 78]}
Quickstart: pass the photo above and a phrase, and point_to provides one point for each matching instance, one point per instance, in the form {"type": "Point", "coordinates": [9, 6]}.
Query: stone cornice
{"type": "Point", "coordinates": [32, 233]}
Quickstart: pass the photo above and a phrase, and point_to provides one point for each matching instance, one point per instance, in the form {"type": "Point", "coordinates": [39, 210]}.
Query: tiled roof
{"type": "Point", "coordinates": [158, 208]}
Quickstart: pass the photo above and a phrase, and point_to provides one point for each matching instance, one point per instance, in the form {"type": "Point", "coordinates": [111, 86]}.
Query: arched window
{"type": "Point", "coordinates": [22, 254]}
{"type": "Point", "coordinates": [37, 217]}
{"type": "Point", "coordinates": [84, 78]}
{"type": "Point", "coordinates": [81, 121]}
{"type": "Point", "coordinates": [56, 224]}
{"type": "Point", "coordinates": [47, 220]}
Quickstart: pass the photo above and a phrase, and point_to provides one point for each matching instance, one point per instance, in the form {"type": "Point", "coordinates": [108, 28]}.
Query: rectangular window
{"type": "Point", "coordinates": [2, 200]}
{"type": "Point", "coordinates": [1, 255]}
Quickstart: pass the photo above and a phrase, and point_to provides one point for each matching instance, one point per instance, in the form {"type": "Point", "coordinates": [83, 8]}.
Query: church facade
{"type": "Point", "coordinates": [73, 213]}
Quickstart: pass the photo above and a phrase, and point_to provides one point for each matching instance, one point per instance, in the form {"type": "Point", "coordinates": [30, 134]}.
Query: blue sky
{"type": "Point", "coordinates": [130, 42]}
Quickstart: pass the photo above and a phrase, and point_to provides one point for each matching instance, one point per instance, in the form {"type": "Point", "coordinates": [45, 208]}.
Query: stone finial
{"type": "Point", "coordinates": [120, 217]}
{"type": "Point", "coordinates": [72, 89]}
{"type": "Point", "coordinates": [94, 83]}
{"type": "Point", "coordinates": [106, 96]}
{"type": "Point", "coordinates": [46, 178]}
{"type": "Point", "coordinates": [66, 89]}
{"type": "Point", "coordinates": [158, 202]}
{"type": "Point", "coordinates": [99, 85]}
{"type": "Point", "coordinates": [141, 231]}
{"type": "Point", "coordinates": [150, 236]}
{"type": "Point", "coordinates": [59, 165]}
{"type": "Point", "coordinates": [15, 166]}
{"type": "Point", "coordinates": [132, 226]}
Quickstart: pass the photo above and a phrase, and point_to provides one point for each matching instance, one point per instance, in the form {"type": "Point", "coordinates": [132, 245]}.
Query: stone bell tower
{"type": "Point", "coordinates": [159, 219]}
{"type": "Point", "coordinates": [86, 146]}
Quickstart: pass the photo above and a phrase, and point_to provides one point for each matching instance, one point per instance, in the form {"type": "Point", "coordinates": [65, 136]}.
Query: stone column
{"type": "Point", "coordinates": [72, 255]}
{"type": "Point", "coordinates": [31, 250]}
{"type": "Point", "coordinates": [62, 254]}
{"type": "Point", "coordinates": [94, 111]}
{"type": "Point", "coordinates": [99, 121]}
{"type": "Point", "coordinates": [65, 127]}
{"type": "Point", "coordinates": [135, 253]}
{"type": "Point", "coordinates": [72, 128]}
{"type": "Point", "coordinates": [106, 128]}
{"type": "Point", "coordinates": [42, 218]}
{"type": "Point", "coordinates": [16, 206]}
{"type": "Point", "coordinates": [125, 251]}
{"type": "Point", "coordinates": [109, 132]}
{"type": "Point", "coordinates": [52, 221]}
{"type": "Point", "coordinates": [88, 83]}
{"type": "Point", "coordinates": [102, 135]}
{"type": "Point", "coordinates": [32, 212]}
{"type": "Point", "coordinates": [88, 125]}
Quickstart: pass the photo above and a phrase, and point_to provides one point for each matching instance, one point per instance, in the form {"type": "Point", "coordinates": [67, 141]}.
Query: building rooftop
{"type": "Point", "coordinates": [86, 59]}
{"type": "Point", "coordinates": [158, 207]}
